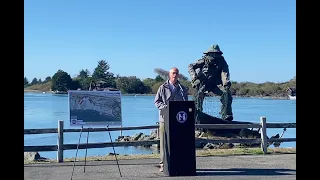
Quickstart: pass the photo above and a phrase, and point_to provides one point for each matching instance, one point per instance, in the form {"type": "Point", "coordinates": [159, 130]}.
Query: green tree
{"type": "Point", "coordinates": [130, 85]}
{"type": "Point", "coordinates": [291, 83]}
{"type": "Point", "coordinates": [84, 73]}
{"type": "Point", "coordinates": [155, 87]}
{"type": "Point", "coordinates": [83, 80]}
{"type": "Point", "coordinates": [75, 84]}
{"type": "Point", "coordinates": [47, 79]}
{"type": "Point", "coordinates": [270, 88]}
{"type": "Point", "coordinates": [159, 78]}
{"type": "Point", "coordinates": [34, 81]}
{"type": "Point", "coordinates": [61, 81]}
{"type": "Point", "coordinates": [243, 92]}
{"type": "Point", "coordinates": [85, 83]}
{"type": "Point", "coordinates": [148, 83]}
{"type": "Point", "coordinates": [234, 87]}
{"type": "Point", "coordinates": [101, 72]}
{"type": "Point", "coordinates": [26, 81]}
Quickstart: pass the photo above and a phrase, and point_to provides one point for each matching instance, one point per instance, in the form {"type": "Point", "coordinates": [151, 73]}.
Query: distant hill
{"type": "Point", "coordinates": [45, 87]}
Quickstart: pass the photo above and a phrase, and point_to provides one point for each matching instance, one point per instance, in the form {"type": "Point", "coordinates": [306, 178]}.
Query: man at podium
{"type": "Point", "coordinates": [170, 90]}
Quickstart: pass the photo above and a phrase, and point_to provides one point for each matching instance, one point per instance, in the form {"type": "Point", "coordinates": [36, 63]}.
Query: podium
{"type": "Point", "coordinates": [179, 137]}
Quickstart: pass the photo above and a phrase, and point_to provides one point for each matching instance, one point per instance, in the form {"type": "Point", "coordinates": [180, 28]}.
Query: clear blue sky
{"type": "Point", "coordinates": [258, 38]}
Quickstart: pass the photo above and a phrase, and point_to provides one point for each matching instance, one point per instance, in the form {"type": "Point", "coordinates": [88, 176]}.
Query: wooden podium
{"type": "Point", "coordinates": [180, 153]}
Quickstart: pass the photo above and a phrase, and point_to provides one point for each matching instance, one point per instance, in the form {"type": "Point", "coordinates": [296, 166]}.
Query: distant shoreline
{"type": "Point", "coordinates": [31, 90]}
{"type": "Point", "coordinates": [262, 97]}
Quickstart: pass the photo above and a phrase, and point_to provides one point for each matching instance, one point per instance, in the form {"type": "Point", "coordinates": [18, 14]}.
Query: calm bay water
{"type": "Point", "coordinates": [44, 111]}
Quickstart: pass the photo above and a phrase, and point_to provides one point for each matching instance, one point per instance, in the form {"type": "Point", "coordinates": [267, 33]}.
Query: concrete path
{"type": "Point", "coordinates": [249, 167]}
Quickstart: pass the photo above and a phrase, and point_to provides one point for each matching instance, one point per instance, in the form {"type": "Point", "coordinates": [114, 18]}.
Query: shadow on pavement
{"type": "Point", "coordinates": [244, 172]}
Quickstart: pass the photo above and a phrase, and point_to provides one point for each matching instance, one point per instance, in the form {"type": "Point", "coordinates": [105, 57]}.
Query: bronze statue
{"type": "Point", "coordinates": [211, 74]}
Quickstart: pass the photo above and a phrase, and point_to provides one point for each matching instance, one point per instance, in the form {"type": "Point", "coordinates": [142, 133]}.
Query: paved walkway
{"type": "Point", "coordinates": [247, 167]}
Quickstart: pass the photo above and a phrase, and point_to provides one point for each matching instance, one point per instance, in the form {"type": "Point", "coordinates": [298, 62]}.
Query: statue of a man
{"type": "Point", "coordinates": [211, 74]}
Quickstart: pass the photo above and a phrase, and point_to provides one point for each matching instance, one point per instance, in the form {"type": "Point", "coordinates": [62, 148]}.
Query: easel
{"type": "Point", "coordinates": [85, 158]}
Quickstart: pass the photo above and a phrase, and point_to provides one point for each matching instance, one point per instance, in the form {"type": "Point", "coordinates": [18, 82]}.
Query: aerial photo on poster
{"type": "Point", "coordinates": [95, 108]}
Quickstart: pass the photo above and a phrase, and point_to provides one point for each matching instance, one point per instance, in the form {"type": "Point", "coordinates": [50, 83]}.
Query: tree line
{"type": "Point", "coordinates": [61, 81]}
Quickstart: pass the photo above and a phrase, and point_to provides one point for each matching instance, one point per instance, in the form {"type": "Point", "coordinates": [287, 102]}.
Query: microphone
{"type": "Point", "coordinates": [181, 91]}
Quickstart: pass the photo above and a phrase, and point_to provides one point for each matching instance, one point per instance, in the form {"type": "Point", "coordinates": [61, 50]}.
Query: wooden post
{"type": "Point", "coordinates": [60, 141]}
{"type": "Point", "coordinates": [264, 139]}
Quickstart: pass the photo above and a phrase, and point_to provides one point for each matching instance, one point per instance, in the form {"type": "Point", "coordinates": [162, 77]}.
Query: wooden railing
{"type": "Point", "coordinates": [60, 147]}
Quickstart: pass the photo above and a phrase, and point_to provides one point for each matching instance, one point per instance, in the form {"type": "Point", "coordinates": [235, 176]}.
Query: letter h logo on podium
{"type": "Point", "coordinates": [182, 116]}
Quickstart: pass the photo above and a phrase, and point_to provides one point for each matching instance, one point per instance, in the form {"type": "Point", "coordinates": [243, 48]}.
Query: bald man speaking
{"type": "Point", "coordinates": [170, 90]}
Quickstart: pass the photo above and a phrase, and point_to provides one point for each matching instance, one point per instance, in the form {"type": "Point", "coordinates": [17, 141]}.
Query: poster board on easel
{"type": "Point", "coordinates": [95, 108]}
